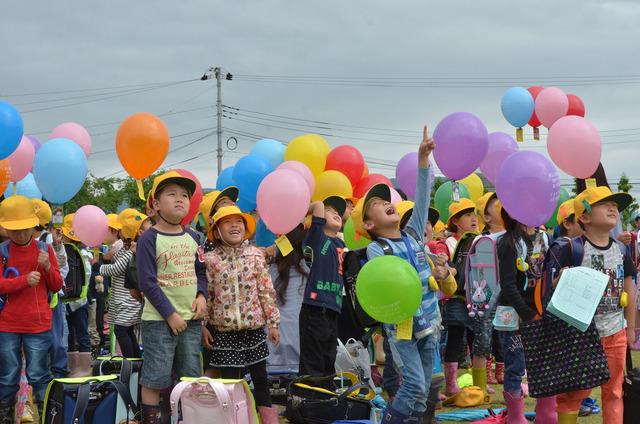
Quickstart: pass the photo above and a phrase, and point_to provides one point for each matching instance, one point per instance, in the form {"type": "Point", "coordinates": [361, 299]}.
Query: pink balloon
{"type": "Point", "coordinates": [90, 225]}
{"type": "Point", "coordinates": [395, 196]}
{"type": "Point", "coordinates": [283, 200]}
{"type": "Point", "coordinates": [551, 105]}
{"type": "Point", "coordinates": [21, 159]}
{"type": "Point", "coordinates": [301, 169]}
{"type": "Point", "coordinates": [74, 132]}
{"type": "Point", "coordinates": [574, 146]}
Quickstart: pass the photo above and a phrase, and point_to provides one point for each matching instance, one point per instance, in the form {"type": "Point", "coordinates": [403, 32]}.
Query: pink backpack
{"type": "Point", "coordinates": [207, 400]}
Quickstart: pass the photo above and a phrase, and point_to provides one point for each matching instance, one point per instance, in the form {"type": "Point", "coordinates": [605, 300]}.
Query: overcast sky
{"type": "Point", "coordinates": [381, 69]}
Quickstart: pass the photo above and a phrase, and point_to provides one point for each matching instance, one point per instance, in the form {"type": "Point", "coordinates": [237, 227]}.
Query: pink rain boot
{"type": "Point", "coordinates": [515, 409]}
{"type": "Point", "coordinates": [451, 378]}
{"type": "Point", "coordinates": [546, 411]}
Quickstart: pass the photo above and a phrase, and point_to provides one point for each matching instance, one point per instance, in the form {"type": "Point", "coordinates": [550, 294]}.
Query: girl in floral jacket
{"type": "Point", "coordinates": [241, 304]}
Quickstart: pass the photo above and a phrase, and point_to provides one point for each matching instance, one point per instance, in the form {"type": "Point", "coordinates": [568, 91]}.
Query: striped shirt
{"type": "Point", "coordinates": [123, 309]}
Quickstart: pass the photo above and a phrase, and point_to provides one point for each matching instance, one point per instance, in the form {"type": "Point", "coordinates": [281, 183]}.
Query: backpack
{"type": "Point", "coordinates": [128, 371]}
{"type": "Point", "coordinates": [459, 260]}
{"type": "Point", "coordinates": [75, 283]}
{"type": "Point", "coordinates": [482, 276]}
{"type": "Point", "coordinates": [11, 271]}
{"type": "Point", "coordinates": [86, 400]}
{"type": "Point", "coordinates": [200, 400]}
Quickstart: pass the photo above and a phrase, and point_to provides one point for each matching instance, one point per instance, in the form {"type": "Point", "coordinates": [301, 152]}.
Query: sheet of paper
{"type": "Point", "coordinates": [579, 292]}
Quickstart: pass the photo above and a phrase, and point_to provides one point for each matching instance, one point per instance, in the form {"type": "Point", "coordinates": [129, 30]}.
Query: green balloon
{"type": "Point", "coordinates": [351, 239]}
{"type": "Point", "coordinates": [444, 197]}
{"type": "Point", "coordinates": [389, 289]}
{"type": "Point", "coordinates": [564, 196]}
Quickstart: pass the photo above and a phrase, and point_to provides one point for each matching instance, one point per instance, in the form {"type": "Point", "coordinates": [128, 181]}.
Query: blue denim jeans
{"type": "Point", "coordinates": [78, 320]}
{"type": "Point", "coordinates": [514, 363]}
{"type": "Point", "coordinates": [390, 376]}
{"type": "Point", "coordinates": [414, 360]}
{"type": "Point", "coordinates": [58, 351]}
{"type": "Point", "coordinates": [36, 349]}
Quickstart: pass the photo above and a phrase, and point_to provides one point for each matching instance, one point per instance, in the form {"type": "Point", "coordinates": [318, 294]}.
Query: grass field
{"type": "Point", "coordinates": [497, 402]}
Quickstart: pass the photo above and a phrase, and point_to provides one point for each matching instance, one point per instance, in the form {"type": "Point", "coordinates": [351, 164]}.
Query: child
{"type": "Point", "coordinates": [134, 225]}
{"type": "Point", "coordinates": [322, 302]}
{"type": "Point", "coordinates": [79, 259]}
{"type": "Point", "coordinates": [516, 244]}
{"type": "Point", "coordinates": [462, 219]}
{"type": "Point", "coordinates": [28, 274]}
{"type": "Point", "coordinates": [124, 310]}
{"type": "Point", "coordinates": [242, 303]}
{"type": "Point", "coordinates": [374, 216]}
{"type": "Point", "coordinates": [597, 211]}
{"type": "Point", "coordinates": [216, 200]}
{"type": "Point", "coordinates": [172, 276]}
{"type": "Point", "coordinates": [487, 210]}
{"type": "Point", "coordinates": [289, 274]}
{"type": "Point", "coordinates": [569, 227]}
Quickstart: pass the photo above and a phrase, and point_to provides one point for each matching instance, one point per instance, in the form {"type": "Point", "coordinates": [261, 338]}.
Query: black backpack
{"type": "Point", "coordinates": [459, 260]}
{"type": "Point", "coordinates": [76, 279]}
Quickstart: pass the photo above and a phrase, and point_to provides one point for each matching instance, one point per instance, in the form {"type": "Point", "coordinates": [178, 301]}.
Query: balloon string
{"type": "Point", "coordinates": [140, 190]}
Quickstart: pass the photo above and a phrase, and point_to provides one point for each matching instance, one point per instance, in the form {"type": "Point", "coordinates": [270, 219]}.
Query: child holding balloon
{"type": "Point", "coordinates": [374, 216]}
{"type": "Point", "coordinates": [241, 304]}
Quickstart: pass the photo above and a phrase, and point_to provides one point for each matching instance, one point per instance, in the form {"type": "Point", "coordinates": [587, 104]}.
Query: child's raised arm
{"type": "Point", "coordinates": [420, 213]}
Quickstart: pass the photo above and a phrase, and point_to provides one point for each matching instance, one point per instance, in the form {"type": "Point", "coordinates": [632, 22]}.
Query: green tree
{"type": "Point", "coordinates": [437, 182]}
{"type": "Point", "coordinates": [628, 214]}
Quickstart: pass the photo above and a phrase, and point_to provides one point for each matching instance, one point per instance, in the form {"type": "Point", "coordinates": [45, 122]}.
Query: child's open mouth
{"type": "Point", "coordinates": [391, 210]}
{"type": "Point", "coordinates": [234, 232]}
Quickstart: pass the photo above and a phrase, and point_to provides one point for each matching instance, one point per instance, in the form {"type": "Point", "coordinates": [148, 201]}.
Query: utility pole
{"type": "Point", "coordinates": [219, 76]}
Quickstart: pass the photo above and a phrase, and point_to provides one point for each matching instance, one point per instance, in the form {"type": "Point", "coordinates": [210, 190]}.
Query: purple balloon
{"type": "Point", "coordinates": [528, 186]}
{"type": "Point", "coordinates": [35, 142]}
{"type": "Point", "coordinates": [407, 174]}
{"type": "Point", "coordinates": [462, 142]}
{"type": "Point", "coordinates": [501, 146]}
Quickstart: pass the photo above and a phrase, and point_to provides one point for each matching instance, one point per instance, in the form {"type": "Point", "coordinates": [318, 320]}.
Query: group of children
{"type": "Point", "coordinates": [207, 301]}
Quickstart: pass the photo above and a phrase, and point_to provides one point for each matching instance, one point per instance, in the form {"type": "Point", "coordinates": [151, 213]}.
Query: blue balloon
{"type": "Point", "coordinates": [517, 106]}
{"type": "Point", "coordinates": [248, 173]}
{"type": "Point", "coordinates": [60, 168]}
{"type": "Point", "coordinates": [225, 179]}
{"type": "Point", "coordinates": [246, 205]}
{"type": "Point", "coordinates": [271, 150]}
{"type": "Point", "coordinates": [26, 187]}
{"type": "Point", "coordinates": [264, 237]}
{"type": "Point", "coordinates": [11, 129]}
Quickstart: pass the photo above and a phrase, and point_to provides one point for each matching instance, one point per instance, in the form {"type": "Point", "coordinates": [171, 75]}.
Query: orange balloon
{"type": "Point", "coordinates": [142, 143]}
{"type": "Point", "coordinates": [5, 174]}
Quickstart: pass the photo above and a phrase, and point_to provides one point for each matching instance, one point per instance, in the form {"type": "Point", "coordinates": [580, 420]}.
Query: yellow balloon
{"type": "Point", "coordinates": [310, 149]}
{"type": "Point", "coordinates": [475, 186]}
{"type": "Point", "coordinates": [332, 183]}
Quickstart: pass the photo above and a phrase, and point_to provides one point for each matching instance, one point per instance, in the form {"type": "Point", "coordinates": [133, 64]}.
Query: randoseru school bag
{"type": "Point", "coordinates": [86, 400]}
{"type": "Point", "coordinates": [207, 400]}
{"type": "Point", "coordinates": [75, 283]}
{"type": "Point", "coordinates": [128, 371]}
{"type": "Point", "coordinates": [482, 277]}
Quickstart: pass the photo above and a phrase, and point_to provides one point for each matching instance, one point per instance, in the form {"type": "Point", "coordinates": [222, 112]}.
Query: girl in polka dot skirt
{"type": "Point", "coordinates": [241, 305]}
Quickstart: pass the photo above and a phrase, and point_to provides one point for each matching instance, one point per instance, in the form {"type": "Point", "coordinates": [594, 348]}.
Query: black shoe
{"type": "Point", "coordinates": [7, 411]}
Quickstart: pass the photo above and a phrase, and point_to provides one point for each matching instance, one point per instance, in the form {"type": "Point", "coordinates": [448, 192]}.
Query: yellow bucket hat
{"type": "Point", "coordinates": [583, 202]}
{"type": "Point", "coordinates": [249, 221]}
{"type": "Point", "coordinates": [565, 210]}
{"type": "Point", "coordinates": [216, 196]}
{"type": "Point", "coordinates": [17, 213]}
{"type": "Point", "coordinates": [43, 211]}
{"type": "Point", "coordinates": [131, 221]}
{"type": "Point", "coordinates": [481, 207]}
{"type": "Point", "coordinates": [457, 208]}
{"type": "Point", "coordinates": [172, 177]}
{"type": "Point", "coordinates": [67, 227]}
{"type": "Point", "coordinates": [439, 227]}
{"type": "Point", "coordinates": [114, 221]}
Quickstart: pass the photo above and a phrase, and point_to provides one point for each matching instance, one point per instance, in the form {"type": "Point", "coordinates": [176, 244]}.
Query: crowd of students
{"type": "Point", "coordinates": [208, 290]}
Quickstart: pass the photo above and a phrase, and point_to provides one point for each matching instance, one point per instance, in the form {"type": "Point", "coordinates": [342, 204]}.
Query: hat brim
{"type": "Point", "coordinates": [249, 223]}
{"type": "Point", "coordinates": [68, 235]}
{"type": "Point", "coordinates": [460, 212]}
{"type": "Point", "coordinates": [188, 183]}
{"type": "Point", "coordinates": [336, 202]}
{"type": "Point", "coordinates": [20, 224]}
{"type": "Point", "coordinates": [622, 199]}
{"type": "Point", "coordinates": [434, 216]}
{"type": "Point", "coordinates": [230, 192]}
{"type": "Point", "coordinates": [382, 191]}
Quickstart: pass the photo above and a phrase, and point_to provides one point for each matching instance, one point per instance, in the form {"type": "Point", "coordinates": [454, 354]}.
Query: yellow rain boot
{"type": "Point", "coordinates": [567, 417]}
{"type": "Point", "coordinates": [480, 378]}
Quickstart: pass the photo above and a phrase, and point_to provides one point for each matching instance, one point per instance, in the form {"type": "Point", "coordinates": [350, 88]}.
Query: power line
{"type": "Point", "coordinates": [78, 90]}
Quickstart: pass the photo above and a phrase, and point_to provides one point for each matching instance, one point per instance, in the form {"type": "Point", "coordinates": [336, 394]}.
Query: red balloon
{"type": "Point", "coordinates": [365, 172]}
{"type": "Point", "coordinates": [535, 90]}
{"type": "Point", "coordinates": [576, 106]}
{"type": "Point", "coordinates": [348, 160]}
{"type": "Point", "coordinates": [369, 181]}
{"type": "Point", "coordinates": [196, 199]}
